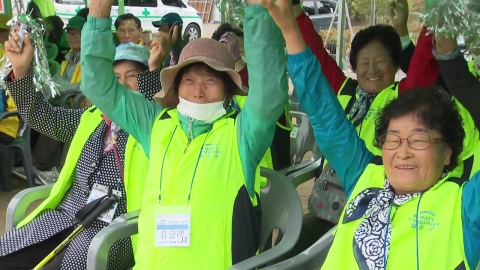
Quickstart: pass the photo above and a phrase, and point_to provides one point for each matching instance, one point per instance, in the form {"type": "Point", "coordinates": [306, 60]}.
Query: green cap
{"type": "Point", "coordinates": [76, 22]}
{"type": "Point", "coordinates": [169, 18]}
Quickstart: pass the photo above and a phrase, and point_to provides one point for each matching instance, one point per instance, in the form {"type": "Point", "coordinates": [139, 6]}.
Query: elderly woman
{"type": "Point", "coordinates": [101, 154]}
{"type": "Point", "coordinates": [376, 55]}
{"type": "Point", "coordinates": [405, 209]}
{"type": "Point", "coordinates": [204, 156]}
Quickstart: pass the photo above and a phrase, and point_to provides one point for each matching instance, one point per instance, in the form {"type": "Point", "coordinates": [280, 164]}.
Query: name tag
{"type": "Point", "coordinates": [100, 191]}
{"type": "Point", "coordinates": [173, 226]}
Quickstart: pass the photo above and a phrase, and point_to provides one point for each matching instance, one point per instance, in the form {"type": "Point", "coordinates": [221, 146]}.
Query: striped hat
{"type": "Point", "coordinates": [133, 52]}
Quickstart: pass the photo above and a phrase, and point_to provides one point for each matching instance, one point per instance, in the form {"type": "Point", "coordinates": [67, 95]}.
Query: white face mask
{"type": "Point", "coordinates": [207, 112]}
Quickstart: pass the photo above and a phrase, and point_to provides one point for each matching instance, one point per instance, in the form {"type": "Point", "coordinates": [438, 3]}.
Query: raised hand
{"type": "Point", "coordinates": [21, 58]}
{"type": "Point", "coordinates": [282, 13]}
{"type": "Point", "coordinates": [398, 11]}
{"type": "Point", "coordinates": [161, 47]}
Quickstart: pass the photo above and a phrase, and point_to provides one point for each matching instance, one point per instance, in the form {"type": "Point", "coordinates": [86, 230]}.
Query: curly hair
{"type": "Point", "coordinates": [435, 108]}
{"type": "Point", "coordinates": [385, 34]}
{"type": "Point", "coordinates": [226, 27]}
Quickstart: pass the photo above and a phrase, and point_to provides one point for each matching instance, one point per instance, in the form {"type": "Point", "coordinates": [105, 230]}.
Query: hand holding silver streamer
{"type": "Point", "coordinates": [24, 25]}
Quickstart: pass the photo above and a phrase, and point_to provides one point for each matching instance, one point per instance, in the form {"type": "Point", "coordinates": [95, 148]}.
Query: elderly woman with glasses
{"type": "Point", "coordinates": [405, 209]}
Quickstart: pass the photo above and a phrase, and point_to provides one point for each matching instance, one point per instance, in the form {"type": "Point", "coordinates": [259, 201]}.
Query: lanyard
{"type": "Point", "coordinates": [194, 171]}
{"type": "Point", "coordinates": [117, 157]}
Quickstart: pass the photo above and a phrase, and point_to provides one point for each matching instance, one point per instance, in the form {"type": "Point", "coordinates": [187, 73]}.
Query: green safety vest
{"type": "Point", "coordinates": [136, 168]}
{"type": "Point", "coordinates": [217, 180]}
{"type": "Point", "coordinates": [440, 233]}
{"type": "Point", "coordinates": [366, 130]}
{"type": "Point", "coordinates": [472, 69]}
{"type": "Point", "coordinates": [47, 8]}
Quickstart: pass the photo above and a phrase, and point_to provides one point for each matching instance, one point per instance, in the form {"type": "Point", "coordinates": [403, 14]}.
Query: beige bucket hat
{"type": "Point", "coordinates": [202, 50]}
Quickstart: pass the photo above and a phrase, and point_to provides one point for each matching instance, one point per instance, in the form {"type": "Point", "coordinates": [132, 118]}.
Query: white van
{"type": "Point", "coordinates": [146, 10]}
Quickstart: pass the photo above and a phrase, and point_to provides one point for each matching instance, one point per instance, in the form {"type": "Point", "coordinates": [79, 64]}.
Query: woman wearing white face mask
{"type": "Point", "coordinates": [204, 156]}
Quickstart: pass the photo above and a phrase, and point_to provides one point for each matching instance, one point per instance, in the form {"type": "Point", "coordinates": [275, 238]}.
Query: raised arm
{"type": "Point", "coordinates": [130, 111]}
{"type": "Point", "coordinates": [149, 83]}
{"type": "Point", "coordinates": [457, 77]}
{"type": "Point", "coordinates": [423, 70]}
{"type": "Point", "coordinates": [335, 135]}
{"type": "Point", "coordinates": [55, 122]}
{"type": "Point", "coordinates": [332, 72]}
{"type": "Point", "coordinates": [267, 96]}
{"type": "Point", "coordinates": [471, 220]}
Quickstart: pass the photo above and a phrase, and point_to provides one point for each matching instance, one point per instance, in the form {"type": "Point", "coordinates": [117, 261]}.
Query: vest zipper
{"type": "Point", "coordinates": [190, 133]}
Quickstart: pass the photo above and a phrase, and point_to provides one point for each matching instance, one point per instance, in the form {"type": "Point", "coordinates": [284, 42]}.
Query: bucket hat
{"type": "Point", "coordinates": [202, 50]}
{"type": "Point", "coordinates": [133, 52]}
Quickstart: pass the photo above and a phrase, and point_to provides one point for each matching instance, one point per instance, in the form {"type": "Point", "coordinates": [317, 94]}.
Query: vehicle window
{"type": "Point", "coordinates": [138, 3]}
{"type": "Point", "coordinates": [172, 3]}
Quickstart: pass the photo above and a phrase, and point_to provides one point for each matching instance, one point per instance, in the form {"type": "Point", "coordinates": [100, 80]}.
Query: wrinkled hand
{"type": "Point", "coordinates": [161, 47]}
{"type": "Point", "coordinates": [398, 11]}
{"type": "Point", "coordinates": [233, 44]}
{"type": "Point", "coordinates": [445, 45]}
{"type": "Point", "coordinates": [282, 13]}
{"type": "Point", "coordinates": [21, 58]}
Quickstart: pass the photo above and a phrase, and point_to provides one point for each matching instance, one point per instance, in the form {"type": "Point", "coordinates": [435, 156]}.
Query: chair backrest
{"type": "Point", "coordinates": [65, 99]}
{"type": "Point", "coordinates": [78, 100]}
{"type": "Point", "coordinates": [311, 258]}
{"type": "Point", "coordinates": [281, 209]}
{"type": "Point", "coordinates": [302, 139]}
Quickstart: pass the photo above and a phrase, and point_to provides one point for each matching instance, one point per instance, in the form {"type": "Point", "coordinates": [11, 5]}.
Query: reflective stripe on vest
{"type": "Point", "coordinates": [440, 234]}
{"type": "Point", "coordinates": [218, 179]}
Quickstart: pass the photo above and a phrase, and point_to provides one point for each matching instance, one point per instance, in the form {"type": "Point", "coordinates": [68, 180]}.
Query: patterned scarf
{"type": "Point", "coordinates": [112, 134]}
{"type": "Point", "coordinates": [371, 243]}
{"type": "Point", "coordinates": [361, 106]}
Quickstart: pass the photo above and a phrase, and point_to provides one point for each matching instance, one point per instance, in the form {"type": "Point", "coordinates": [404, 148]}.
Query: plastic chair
{"type": "Point", "coordinates": [21, 201]}
{"type": "Point", "coordinates": [281, 208]}
{"type": "Point", "coordinates": [77, 101]}
{"type": "Point", "coordinates": [64, 99]}
{"type": "Point", "coordinates": [54, 67]}
{"type": "Point", "coordinates": [22, 143]}
{"type": "Point", "coordinates": [293, 101]}
{"type": "Point", "coordinates": [312, 258]}
{"type": "Point", "coordinates": [303, 175]}
{"type": "Point", "coordinates": [302, 140]}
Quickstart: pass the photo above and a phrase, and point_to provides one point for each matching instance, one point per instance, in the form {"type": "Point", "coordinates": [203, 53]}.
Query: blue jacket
{"type": "Point", "coordinates": [347, 153]}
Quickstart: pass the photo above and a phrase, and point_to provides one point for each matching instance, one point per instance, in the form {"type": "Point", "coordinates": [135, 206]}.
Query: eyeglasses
{"type": "Point", "coordinates": [414, 141]}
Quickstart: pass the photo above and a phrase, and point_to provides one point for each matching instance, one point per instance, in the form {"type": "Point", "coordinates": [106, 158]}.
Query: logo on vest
{"type": "Point", "coordinates": [372, 112]}
{"type": "Point", "coordinates": [210, 151]}
{"type": "Point", "coordinates": [426, 221]}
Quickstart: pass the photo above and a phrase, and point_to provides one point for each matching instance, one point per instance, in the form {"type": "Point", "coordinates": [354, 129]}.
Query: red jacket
{"type": "Point", "coordinates": [423, 70]}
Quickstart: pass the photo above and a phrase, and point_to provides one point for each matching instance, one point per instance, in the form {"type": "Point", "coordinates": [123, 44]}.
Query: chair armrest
{"type": "Point", "coordinates": [303, 175]}
{"type": "Point", "coordinates": [312, 258]}
{"type": "Point", "coordinates": [97, 256]}
{"type": "Point", "coordinates": [296, 167]}
{"type": "Point", "coordinates": [7, 114]}
{"type": "Point", "coordinates": [126, 217]}
{"type": "Point", "coordinates": [18, 205]}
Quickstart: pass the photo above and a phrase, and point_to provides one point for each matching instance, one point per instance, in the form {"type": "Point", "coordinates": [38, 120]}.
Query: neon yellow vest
{"type": "Point", "coordinates": [135, 172]}
{"type": "Point", "coordinates": [218, 179]}
{"type": "Point", "coordinates": [440, 236]}
{"type": "Point", "coordinates": [366, 130]}
{"type": "Point", "coordinates": [47, 8]}
{"type": "Point", "coordinates": [471, 68]}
